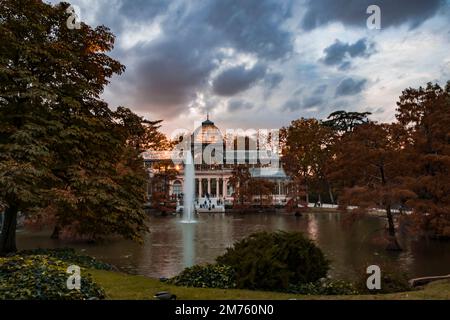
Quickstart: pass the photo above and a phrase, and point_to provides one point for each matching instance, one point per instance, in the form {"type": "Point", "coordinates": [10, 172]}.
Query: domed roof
{"type": "Point", "coordinates": [207, 133]}
{"type": "Point", "coordinates": [207, 122]}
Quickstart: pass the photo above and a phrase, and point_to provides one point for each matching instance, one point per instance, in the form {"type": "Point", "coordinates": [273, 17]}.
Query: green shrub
{"type": "Point", "coordinates": [42, 277]}
{"type": "Point", "coordinates": [273, 261]}
{"type": "Point", "coordinates": [394, 282]}
{"type": "Point", "coordinates": [206, 276]}
{"type": "Point", "coordinates": [69, 256]}
{"type": "Point", "coordinates": [324, 287]}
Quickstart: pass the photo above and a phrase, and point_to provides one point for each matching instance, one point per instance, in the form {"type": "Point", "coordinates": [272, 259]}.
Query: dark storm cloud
{"type": "Point", "coordinates": [171, 71]}
{"type": "Point", "coordinates": [312, 101]}
{"type": "Point", "coordinates": [173, 51]}
{"type": "Point", "coordinates": [349, 86]}
{"type": "Point", "coordinates": [174, 67]}
{"type": "Point", "coordinates": [239, 105]}
{"type": "Point", "coordinates": [253, 25]}
{"type": "Point", "coordinates": [115, 15]}
{"type": "Point", "coordinates": [178, 64]}
{"type": "Point", "coordinates": [237, 79]}
{"type": "Point", "coordinates": [316, 98]}
{"type": "Point", "coordinates": [393, 13]}
{"type": "Point", "coordinates": [291, 105]}
{"type": "Point", "coordinates": [272, 80]}
{"type": "Point", "coordinates": [340, 53]}
{"type": "Point", "coordinates": [142, 9]}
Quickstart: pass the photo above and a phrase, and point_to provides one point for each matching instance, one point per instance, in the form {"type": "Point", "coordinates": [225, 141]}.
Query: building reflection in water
{"type": "Point", "coordinates": [313, 228]}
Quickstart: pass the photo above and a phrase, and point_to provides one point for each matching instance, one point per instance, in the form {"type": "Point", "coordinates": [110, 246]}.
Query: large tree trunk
{"type": "Point", "coordinates": [392, 244]}
{"type": "Point", "coordinates": [8, 235]}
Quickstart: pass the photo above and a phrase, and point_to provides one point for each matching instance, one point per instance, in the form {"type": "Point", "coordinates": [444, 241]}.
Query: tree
{"type": "Point", "coordinates": [297, 196]}
{"type": "Point", "coordinates": [104, 190]}
{"type": "Point", "coordinates": [424, 113]}
{"type": "Point", "coordinates": [368, 164]}
{"type": "Point", "coordinates": [306, 151]}
{"type": "Point", "coordinates": [163, 173]}
{"type": "Point", "coordinates": [262, 189]}
{"type": "Point", "coordinates": [26, 129]}
{"type": "Point", "coordinates": [62, 150]}
{"type": "Point", "coordinates": [343, 121]}
{"type": "Point", "coordinates": [140, 133]}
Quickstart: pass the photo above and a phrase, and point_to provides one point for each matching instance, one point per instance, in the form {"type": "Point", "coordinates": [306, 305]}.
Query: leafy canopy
{"type": "Point", "coordinates": [63, 152]}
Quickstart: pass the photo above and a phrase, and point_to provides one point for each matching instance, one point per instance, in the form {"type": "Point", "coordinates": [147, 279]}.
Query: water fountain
{"type": "Point", "coordinates": [188, 220]}
{"type": "Point", "coordinates": [188, 189]}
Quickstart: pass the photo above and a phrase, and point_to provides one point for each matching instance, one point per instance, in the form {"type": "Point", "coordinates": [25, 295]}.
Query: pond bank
{"type": "Point", "coordinates": [119, 285]}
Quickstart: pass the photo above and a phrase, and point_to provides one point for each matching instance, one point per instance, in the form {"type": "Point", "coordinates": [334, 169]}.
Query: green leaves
{"type": "Point", "coordinates": [206, 276]}
{"type": "Point", "coordinates": [69, 256]}
{"type": "Point", "coordinates": [63, 153]}
{"type": "Point", "coordinates": [273, 261]}
{"type": "Point", "coordinates": [324, 286]}
{"type": "Point", "coordinates": [42, 277]}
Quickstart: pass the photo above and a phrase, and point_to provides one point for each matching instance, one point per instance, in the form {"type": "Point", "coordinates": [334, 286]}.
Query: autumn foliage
{"type": "Point", "coordinates": [400, 167]}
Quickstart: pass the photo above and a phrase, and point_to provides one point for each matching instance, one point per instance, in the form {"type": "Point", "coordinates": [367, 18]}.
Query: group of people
{"type": "Point", "coordinates": [207, 203]}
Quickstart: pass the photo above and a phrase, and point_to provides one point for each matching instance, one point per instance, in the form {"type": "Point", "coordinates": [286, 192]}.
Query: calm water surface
{"type": "Point", "coordinates": [170, 246]}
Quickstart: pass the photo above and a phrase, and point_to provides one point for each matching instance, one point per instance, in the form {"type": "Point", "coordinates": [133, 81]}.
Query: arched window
{"type": "Point", "coordinates": [177, 187]}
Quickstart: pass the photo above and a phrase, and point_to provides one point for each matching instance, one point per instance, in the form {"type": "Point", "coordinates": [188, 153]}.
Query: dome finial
{"type": "Point", "coordinates": [207, 115]}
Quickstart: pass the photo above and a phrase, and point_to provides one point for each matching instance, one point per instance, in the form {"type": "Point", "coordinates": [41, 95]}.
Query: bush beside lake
{"type": "Point", "coordinates": [70, 256]}
{"type": "Point", "coordinates": [42, 275]}
{"type": "Point", "coordinates": [273, 261]}
{"type": "Point", "coordinates": [279, 261]}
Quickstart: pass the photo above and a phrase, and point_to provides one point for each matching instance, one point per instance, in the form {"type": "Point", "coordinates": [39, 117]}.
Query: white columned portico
{"type": "Point", "coordinates": [217, 187]}
{"type": "Point", "coordinates": [199, 187]}
{"type": "Point", "coordinates": [209, 186]}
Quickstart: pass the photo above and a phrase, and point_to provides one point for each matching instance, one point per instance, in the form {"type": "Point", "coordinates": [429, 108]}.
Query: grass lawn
{"type": "Point", "coordinates": [131, 287]}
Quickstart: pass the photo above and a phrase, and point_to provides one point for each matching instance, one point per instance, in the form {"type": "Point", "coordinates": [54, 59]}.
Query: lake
{"type": "Point", "coordinates": [170, 246]}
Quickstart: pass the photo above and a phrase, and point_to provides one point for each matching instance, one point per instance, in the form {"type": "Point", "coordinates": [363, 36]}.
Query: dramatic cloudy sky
{"type": "Point", "coordinates": [263, 63]}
